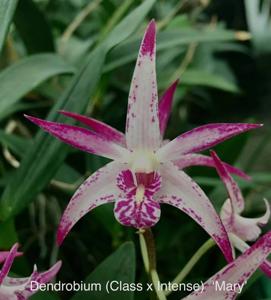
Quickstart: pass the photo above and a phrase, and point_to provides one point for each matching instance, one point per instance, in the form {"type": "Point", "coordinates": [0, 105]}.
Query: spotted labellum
{"type": "Point", "coordinates": [146, 171]}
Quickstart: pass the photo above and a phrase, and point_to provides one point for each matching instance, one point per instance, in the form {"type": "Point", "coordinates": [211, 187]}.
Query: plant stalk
{"type": "Point", "coordinates": [191, 263]}
{"type": "Point", "coordinates": [147, 246]}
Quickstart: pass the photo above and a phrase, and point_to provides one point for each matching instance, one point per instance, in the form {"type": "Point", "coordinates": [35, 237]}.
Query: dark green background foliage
{"type": "Point", "coordinates": [46, 66]}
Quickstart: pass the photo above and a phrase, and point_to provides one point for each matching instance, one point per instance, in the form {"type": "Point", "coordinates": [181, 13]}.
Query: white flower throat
{"type": "Point", "coordinates": [143, 161]}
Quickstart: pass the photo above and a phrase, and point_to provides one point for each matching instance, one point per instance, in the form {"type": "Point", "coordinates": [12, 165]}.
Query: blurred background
{"type": "Point", "coordinates": [220, 50]}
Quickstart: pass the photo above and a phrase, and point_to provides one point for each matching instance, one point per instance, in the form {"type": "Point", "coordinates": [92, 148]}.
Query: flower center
{"type": "Point", "coordinates": [143, 161]}
{"type": "Point", "coordinates": [139, 196]}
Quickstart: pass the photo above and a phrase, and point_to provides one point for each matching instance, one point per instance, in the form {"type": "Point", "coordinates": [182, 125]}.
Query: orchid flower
{"type": "Point", "coordinates": [235, 274]}
{"type": "Point", "coordinates": [143, 173]}
{"type": "Point", "coordinates": [20, 288]}
{"type": "Point", "coordinates": [240, 229]}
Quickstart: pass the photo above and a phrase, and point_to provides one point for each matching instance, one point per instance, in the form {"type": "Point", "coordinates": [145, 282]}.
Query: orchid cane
{"type": "Point", "coordinates": [236, 272]}
{"type": "Point", "coordinates": [20, 288]}
{"type": "Point", "coordinates": [143, 173]}
{"type": "Point", "coordinates": [239, 228]}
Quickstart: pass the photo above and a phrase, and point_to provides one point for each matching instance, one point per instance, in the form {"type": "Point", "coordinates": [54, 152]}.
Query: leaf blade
{"type": "Point", "coordinates": [7, 9]}
{"type": "Point", "coordinates": [119, 267]}
{"type": "Point", "coordinates": [24, 76]}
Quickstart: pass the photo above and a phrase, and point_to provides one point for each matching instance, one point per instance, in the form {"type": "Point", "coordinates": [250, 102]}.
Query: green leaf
{"type": "Point", "coordinates": [47, 154]}
{"type": "Point", "coordinates": [120, 267]}
{"type": "Point", "coordinates": [8, 235]}
{"type": "Point", "coordinates": [127, 52]}
{"type": "Point", "coordinates": [204, 78]}
{"type": "Point", "coordinates": [33, 28]}
{"type": "Point", "coordinates": [25, 75]}
{"type": "Point", "coordinates": [259, 23]}
{"type": "Point", "coordinates": [17, 144]}
{"type": "Point", "coordinates": [7, 9]}
{"type": "Point", "coordinates": [45, 296]}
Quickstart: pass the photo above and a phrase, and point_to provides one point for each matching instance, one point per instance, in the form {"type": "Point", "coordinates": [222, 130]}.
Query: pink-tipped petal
{"type": "Point", "coordinates": [266, 268]}
{"type": "Point", "coordinates": [100, 188]}
{"type": "Point", "coordinates": [237, 200]}
{"type": "Point", "coordinates": [142, 123]}
{"type": "Point", "coordinates": [5, 254]}
{"type": "Point", "coordinates": [82, 139]}
{"type": "Point", "coordinates": [48, 275]}
{"type": "Point", "coordinates": [8, 262]}
{"type": "Point", "coordinates": [181, 191]}
{"type": "Point", "coordinates": [23, 288]}
{"type": "Point", "coordinates": [165, 105]}
{"type": "Point", "coordinates": [104, 130]}
{"type": "Point", "coordinates": [190, 160]}
{"type": "Point", "coordinates": [237, 272]}
{"type": "Point", "coordinates": [243, 246]}
{"type": "Point", "coordinates": [201, 138]}
{"type": "Point", "coordinates": [248, 229]}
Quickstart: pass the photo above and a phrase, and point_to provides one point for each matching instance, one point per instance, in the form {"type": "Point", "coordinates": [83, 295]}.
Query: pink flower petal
{"type": "Point", "coordinates": [81, 138]}
{"type": "Point", "coordinates": [8, 262]}
{"type": "Point", "coordinates": [100, 188]}
{"type": "Point", "coordinates": [165, 106]}
{"type": "Point", "coordinates": [181, 191]}
{"type": "Point", "coordinates": [190, 160]}
{"type": "Point", "coordinates": [21, 287]}
{"type": "Point", "coordinates": [248, 229]}
{"type": "Point", "coordinates": [104, 130]}
{"type": "Point", "coordinates": [201, 138]}
{"type": "Point", "coordinates": [142, 124]}
{"type": "Point", "coordinates": [237, 200]}
{"type": "Point", "coordinates": [243, 246]}
{"type": "Point", "coordinates": [266, 268]}
{"type": "Point", "coordinates": [48, 275]}
{"type": "Point", "coordinates": [237, 272]}
{"type": "Point", "coordinates": [5, 254]}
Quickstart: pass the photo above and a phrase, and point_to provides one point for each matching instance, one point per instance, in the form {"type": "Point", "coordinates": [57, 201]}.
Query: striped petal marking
{"type": "Point", "coordinates": [136, 207]}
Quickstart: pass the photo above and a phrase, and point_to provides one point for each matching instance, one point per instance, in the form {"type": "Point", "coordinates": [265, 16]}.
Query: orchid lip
{"type": "Point", "coordinates": [136, 206]}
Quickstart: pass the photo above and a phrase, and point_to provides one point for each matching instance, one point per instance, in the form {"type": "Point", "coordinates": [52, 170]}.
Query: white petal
{"type": "Point", "coordinates": [100, 188]}
{"type": "Point", "coordinates": [181, 191]}
{"type": "Point", "coordinates": [142, 124]}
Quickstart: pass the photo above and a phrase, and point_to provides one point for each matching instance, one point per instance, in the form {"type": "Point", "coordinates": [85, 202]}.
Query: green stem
{"type": "Point", "coordinates": [191, 263]}
{"type": "Point", "coordinates": [117, 15]}
{"type": "Point", "coordinates": [144, 252]}
{"type": "Point", "coordinates": [147, 247]}
{"type": "Point", "coordinates": [155, 280]}
{"type": "Point", "coordinates": [79, 19]}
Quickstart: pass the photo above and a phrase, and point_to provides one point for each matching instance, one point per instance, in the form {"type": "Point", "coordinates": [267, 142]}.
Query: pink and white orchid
{"type": "Point", "coordinates": [235, 274]}
{"type": "Point", "coordinates": [20, 288]}
{"type": "Point", "coordinates": [144, 172]}
{"type": "Point", "coordinates": [240, 229]}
